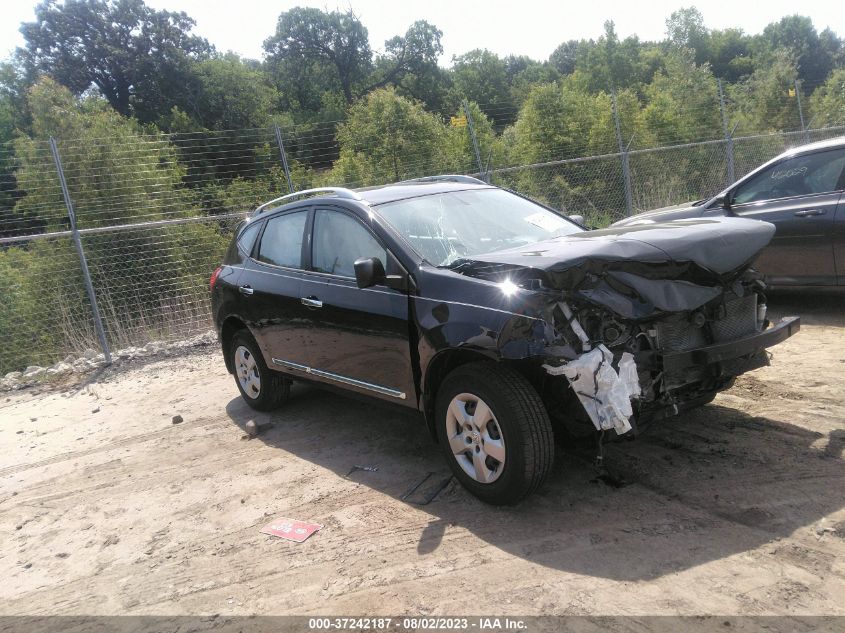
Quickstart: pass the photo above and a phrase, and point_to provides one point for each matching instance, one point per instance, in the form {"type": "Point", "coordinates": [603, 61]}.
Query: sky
{"type": "Point", "coordinates": [520, 27]}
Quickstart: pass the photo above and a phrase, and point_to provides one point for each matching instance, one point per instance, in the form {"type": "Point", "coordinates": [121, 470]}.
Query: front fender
{"type": "Point", "coordinates": [489, 333]}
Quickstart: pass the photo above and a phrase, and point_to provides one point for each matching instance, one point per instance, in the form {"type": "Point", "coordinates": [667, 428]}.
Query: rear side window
{"type": "Point", "coordinates": [799, 176]}
{"type": "Point", "coordinates": [281, 243]}
{"type": "Point", "coordinates": [246, 240]}
{"type": "Point", "coordinates": [339, 240]}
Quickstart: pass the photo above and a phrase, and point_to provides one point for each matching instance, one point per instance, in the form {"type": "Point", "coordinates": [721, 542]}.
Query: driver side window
{"type": "Point", "coordinates": [339, 240]}
{"type": "Point", "coordinates": [799, 176]}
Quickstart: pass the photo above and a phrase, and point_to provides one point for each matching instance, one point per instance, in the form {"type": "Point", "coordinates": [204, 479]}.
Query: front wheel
{"type": "Point", "coordinates": [494, 431]}
{"type": "Point", "coordinates": [261, 388]}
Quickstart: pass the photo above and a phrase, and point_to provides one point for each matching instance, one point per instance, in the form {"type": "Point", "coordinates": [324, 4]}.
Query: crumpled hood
{"type": "Point", "coordinates": [636, 270]}
{"type": "Point", "coordinates": [696, 249]}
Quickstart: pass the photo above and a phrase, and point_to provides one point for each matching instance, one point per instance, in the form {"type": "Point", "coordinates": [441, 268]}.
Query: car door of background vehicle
{"type": "Point", "coordinates": [799, 196]}
{"type": "Point", "coordinates": [358, 337]}
{"type": "Point", "coordinates": [839, 239]}
{"type": "Point", "coordinates": [271, 288]}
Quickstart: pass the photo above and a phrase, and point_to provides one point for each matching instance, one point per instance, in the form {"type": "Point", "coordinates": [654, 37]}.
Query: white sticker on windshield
{"type": "Point", "coordinates": [546, 221]}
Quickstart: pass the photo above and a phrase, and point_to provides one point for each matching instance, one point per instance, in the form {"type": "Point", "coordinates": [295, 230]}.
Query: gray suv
{"type": "Point", "coordinates": [801, 193]}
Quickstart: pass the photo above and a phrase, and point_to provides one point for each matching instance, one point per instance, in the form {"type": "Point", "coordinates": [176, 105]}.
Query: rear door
{"type": "Point", "coordinates": [799, 195]}
{"type": "Point", "coordinates": [358, 337]}
{"type": "Point", "coordinates": [271, 285]}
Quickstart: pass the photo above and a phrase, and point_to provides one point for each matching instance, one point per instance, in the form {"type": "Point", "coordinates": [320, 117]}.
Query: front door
{"type": "Point", "coordinates": [799, 196]}
{"type": "Point", "coordinates": [358, 337]}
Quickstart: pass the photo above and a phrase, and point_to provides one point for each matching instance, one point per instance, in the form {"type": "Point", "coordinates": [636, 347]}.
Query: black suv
{"type": "Point", "coordinates": [505, 323]}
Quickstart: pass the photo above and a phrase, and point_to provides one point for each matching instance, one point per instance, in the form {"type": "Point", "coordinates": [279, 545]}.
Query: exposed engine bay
{"type": "Point", "coordinates": [615, 367]}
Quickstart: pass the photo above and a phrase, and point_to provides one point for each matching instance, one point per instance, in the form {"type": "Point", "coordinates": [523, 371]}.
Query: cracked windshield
{"type": "Point", "coordinates": [446, 227]}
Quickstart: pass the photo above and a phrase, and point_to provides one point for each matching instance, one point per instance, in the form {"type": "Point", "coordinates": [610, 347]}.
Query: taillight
{"type": "Point", "coordinates": [214, 277]}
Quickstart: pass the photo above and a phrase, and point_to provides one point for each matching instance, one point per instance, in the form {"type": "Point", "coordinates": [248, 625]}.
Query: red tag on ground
{"type": "Point", "coordinates": [290, 529]}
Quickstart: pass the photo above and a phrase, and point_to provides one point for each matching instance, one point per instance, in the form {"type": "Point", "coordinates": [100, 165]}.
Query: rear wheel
{"type": "Point", "coordinates": [494, 431]}
{"type": "Point", "coordinates": [262, 388]}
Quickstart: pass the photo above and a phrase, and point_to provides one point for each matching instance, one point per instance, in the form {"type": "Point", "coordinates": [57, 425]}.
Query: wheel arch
{"type": "Point", "coordinates": [447, 360]}
{"type": "Point", "coordinates": [231, 325]}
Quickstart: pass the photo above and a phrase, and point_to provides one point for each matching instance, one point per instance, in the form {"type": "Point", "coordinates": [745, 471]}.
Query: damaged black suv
{"type": "Point", "coordinates": [502, 321]}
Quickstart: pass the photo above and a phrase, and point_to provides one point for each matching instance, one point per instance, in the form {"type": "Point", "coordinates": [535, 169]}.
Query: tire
{"type": "Point", "coordinates": [261, 388]}
{"type": "Point", "coordinates": [521, 432]}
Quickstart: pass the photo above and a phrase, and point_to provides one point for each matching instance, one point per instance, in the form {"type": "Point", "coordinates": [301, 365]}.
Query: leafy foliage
{"type": "Point", "coordinates": [137, 57]}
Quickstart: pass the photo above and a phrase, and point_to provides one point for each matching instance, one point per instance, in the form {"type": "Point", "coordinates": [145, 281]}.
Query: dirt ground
{"type": "Point", "coordinates": [107, 507]}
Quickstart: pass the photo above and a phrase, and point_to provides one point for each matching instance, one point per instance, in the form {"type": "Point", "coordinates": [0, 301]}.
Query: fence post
{"type": "Point", "coordinates": [281, 145]}
{"type": "Point", "coordinates": [804, 134]}
{"type": "Point", "coordinates": [86, 275]}
{"type": "Point", "coordinates": [729, 137]}
{"type": "Point", "coordinates": [471, 127]}
{"type": "Point", "coordinates": [623, 152]}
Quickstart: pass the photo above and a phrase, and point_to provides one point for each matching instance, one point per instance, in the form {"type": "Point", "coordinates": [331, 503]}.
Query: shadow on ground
{"type": "Point", "coordinates": [707, 485]}
{"type": "Point", "coordinates": [818, 306]}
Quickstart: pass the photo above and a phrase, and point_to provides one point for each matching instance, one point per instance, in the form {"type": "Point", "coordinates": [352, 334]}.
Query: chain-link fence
{"type": "Point", "coordinates": [133, 223]}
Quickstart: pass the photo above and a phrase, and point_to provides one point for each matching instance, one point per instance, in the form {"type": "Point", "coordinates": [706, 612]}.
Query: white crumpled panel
{"type": "Point", "coordinates": [604, 393]}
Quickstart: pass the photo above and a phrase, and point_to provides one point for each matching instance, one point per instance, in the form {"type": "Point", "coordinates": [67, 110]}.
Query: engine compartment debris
{"type": "Point", "coordinates": [604, 392]}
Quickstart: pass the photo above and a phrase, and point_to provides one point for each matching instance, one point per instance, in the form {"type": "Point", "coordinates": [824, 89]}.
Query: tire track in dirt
{"type": "Point", "coordinates": [108, 446]}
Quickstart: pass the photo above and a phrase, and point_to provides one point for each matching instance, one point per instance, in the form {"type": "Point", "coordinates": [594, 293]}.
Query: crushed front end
{"type": "Point", "coordinates": [680, 359]}
{"type": "Point", "coordinates": [646, 321]}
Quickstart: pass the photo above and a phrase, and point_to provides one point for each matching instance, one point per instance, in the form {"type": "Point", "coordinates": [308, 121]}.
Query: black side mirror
{"type": "Point", "coordinates": [369, 271]}
{"type": "Point", "coordinates": [723, 202]}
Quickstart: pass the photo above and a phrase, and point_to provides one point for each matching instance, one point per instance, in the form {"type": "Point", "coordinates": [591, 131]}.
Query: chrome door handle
{"type": "Point", "coordinates": [808, 212]}
{"type": "Point", "coordinates": [246, 290]}
{"type": "Point", "coordinates": [311, 302]}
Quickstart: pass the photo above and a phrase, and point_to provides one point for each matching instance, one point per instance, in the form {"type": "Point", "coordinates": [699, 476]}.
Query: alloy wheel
{"type": "Point", "coordinates": [475, 438]}
{"type": "Point", "coordinates": [247, 371]}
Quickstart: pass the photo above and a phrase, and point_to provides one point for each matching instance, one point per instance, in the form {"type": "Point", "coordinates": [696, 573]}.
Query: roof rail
{"type": "Point", "coordinates": [445, 178]}
{"type": "Point", "coordinates": [338, 192]}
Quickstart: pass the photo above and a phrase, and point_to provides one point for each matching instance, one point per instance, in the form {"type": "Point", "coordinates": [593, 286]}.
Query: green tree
{"type": "Point", "coordinates": [562, 121]}
{"type": "Point", "coordinates": [766, 100]}
{"type": "Point", "coordinates": [685, 29]}
{"type": "Point", "coordinates": [609, 63]}
{"type": "Point", "coordinates": [796, 36]}
{"type": "Point", "coordinates": [135, 56]}
{"type": "Point", "coordinates": [332, 51]}
{"type": "Point", "coordinates": [335, 43]}
{"type": "Point", "coordinates": [412, 56]}
{"type": "Point", "coordinates": [827, 104]}
{"type": "Point", "coordinates": [387, 138]}
{"type": "Point", "coordinates": [682, 104]}
{"type": "Point", "coordinates": [524, 72]}
{"type": "Point", "coordinates": [111, 182]}
{"type": "Point", "coordinates": [565, 56]}
{"type": "Point", "coordinates": [482, 77]}
{"type": "Point", "coordinates": [730, 54]}
{"type": "Point", "coordinates": [459, 148]}
{"type": "Point", "coordinates": [554, 122]}
{"type": "Point", "coordinates": [227, 94]}
{"type": "Point", "coordinates": [133, 177]}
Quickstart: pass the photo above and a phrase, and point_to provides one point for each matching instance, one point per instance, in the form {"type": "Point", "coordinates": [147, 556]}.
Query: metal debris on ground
{"type": "Point", "coordinates": [369, 469]}
{"type": "Point", "coordinates": [291, 529]}
{"type": "Point", "coordinates": [177, 419]}
{"type": "Point", "coordinates": [426, 489]}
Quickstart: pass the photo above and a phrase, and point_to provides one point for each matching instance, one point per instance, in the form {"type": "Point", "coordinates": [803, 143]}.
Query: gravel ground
{"type": "Point", "coordinates": [108, 507]}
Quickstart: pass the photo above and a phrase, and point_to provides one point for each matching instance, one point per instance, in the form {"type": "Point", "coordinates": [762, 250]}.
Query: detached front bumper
{"type": "Point", "coordinates": [730, 350]}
